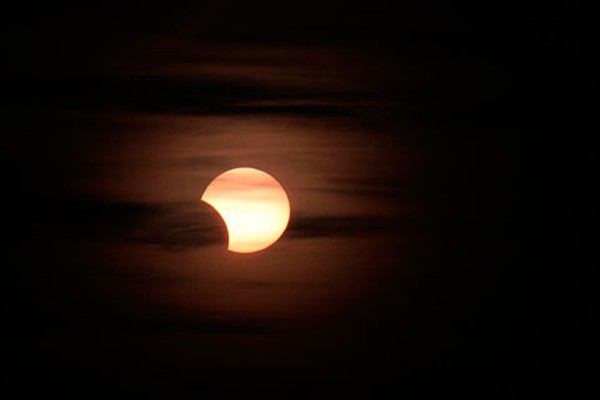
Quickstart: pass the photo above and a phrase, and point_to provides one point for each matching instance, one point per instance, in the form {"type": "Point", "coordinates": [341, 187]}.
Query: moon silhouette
{"type": "Point", "coordinates": [253, 205]}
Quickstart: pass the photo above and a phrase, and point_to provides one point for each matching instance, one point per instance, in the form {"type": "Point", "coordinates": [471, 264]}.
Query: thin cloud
{"type": "Point", "coordinates": [187, 97]}
{"type": "Point", "coordinates": [310, 227]}
{"type": "Point", "coordinates": [177, 227]}
{"type": "Point", "coordinates": [107, 318]}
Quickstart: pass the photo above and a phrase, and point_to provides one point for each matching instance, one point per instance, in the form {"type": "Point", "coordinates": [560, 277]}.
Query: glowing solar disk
{"type": "Point", "coordinates": [253, 205]}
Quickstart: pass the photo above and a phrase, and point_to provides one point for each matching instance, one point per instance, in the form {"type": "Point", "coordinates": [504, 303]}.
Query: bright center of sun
{"type": "Point", "coordinates": [253, 205]}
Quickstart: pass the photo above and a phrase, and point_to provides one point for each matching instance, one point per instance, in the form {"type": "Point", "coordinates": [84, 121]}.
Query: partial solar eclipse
{"type": "Point", "coordinates": [253, 205]}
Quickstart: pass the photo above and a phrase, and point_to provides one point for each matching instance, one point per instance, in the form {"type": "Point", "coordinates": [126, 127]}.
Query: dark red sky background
{"type": "Point", "coordinates": [437, 160]}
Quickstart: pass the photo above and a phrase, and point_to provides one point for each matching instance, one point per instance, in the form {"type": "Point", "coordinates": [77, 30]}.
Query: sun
{"type": "Point", "coordinates": [253, 205]}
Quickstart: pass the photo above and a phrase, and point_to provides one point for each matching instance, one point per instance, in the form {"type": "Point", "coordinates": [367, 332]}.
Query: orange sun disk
{"type": "Point", "coordinates": [253, 205]}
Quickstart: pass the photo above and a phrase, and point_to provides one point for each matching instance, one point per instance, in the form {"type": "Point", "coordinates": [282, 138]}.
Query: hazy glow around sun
{"type": "Point", "coordinates": [253, 205]}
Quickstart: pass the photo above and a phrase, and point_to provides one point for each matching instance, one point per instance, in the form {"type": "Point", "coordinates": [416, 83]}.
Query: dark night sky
{"type": "Point", "coordinates": [437, 156]}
